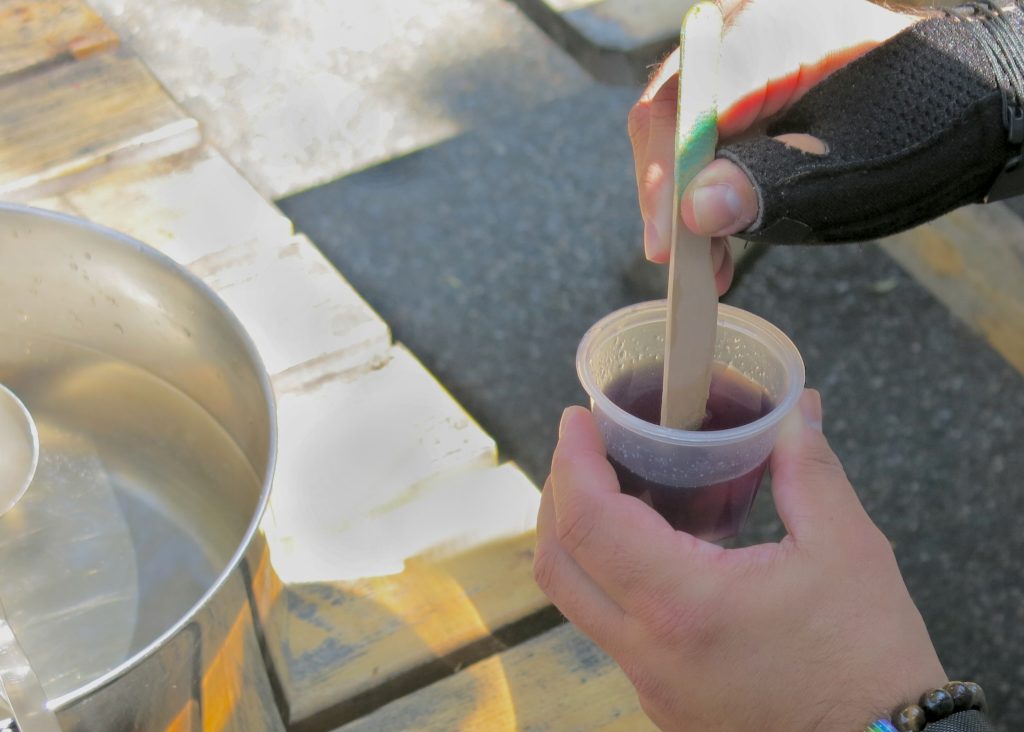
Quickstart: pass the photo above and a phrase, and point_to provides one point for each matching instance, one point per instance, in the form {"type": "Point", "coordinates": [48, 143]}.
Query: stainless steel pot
{"type": "Point", "coordinates": [122, 569]}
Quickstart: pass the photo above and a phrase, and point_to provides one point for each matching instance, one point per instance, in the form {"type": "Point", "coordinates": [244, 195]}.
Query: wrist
{"type": "Point", "coordinates": [880, 699]}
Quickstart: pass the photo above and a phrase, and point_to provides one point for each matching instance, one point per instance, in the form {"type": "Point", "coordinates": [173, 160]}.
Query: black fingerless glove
{"type": "Point", "coordinates": [962, 722]}
{"type": "Point", "coordinates": [929, 121]}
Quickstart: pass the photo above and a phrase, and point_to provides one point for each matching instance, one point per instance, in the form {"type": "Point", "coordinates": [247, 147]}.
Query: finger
{"type": "Point", "coordinates": [663, 87]}
{"type": "Point", "coordinates": [774, 52]}
{"type": "Point", "coordinates": [568, 586]}
{"type": "Point", "coordinates": [638, 126]}
{"type": "Point", "coordinates": [812, 494]}
{"type": "Point", "coordinates": [621, 543]}
{"type": "Point", "coordinates": [807, 143]}
{"type": "Point", "coordinates": [721, 256]}
{"type": "Point", "coordinates": [720, 200]}
{"type": "Point", "coordinates": [718, 250]}
{"type": "Point", "coordinates": [655, 171]}
{"type": "Point", "coordinates": [666, 70]}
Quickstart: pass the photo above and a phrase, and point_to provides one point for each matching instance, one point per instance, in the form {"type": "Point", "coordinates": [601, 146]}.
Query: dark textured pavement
{"type": "Point", "coordinates": [489, 256]}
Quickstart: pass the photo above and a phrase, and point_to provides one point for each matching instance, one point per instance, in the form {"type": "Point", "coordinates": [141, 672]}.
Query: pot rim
{"type": "Point", "coordinates": [123, 240]}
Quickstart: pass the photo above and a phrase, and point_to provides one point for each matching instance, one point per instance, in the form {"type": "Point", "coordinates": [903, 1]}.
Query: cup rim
{"type": "Point", "coordinates": [733, 318]}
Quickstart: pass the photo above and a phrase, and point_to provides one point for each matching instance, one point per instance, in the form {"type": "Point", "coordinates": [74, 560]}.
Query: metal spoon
{"type": "Point", "coordinates": [19, 455]}
{"type": "Point", "coordinates": [19, 449]}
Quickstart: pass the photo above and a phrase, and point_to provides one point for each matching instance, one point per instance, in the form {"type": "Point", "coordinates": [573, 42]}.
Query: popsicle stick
{"type": "Point", "coordinates": [692, 295]}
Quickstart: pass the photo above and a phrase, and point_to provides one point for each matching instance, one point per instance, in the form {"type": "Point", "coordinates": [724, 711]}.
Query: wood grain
{"type": "Point", "coordinates": [691, 327]}
{"type": "Point", "coordinates": [556, 682]}
{"type": "Point", "coordinates": [74, 121]}
{"type": "Point", "coordinates": [188, 206]}
{"type": "Point", "coordinates": [973, 261]}
{"type": "Point", "coordinates": [36, 33]}
{"type": "Point", "coordinates": [295, 305]}
{"type": "Point", "coordinates": [692, 308]}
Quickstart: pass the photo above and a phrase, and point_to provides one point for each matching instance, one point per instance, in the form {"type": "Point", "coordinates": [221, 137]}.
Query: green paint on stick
{"type": "Point", "coordinates": [697, 149]}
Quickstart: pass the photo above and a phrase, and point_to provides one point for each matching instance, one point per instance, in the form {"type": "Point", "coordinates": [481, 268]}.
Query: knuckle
{"type": "Point", "coordinates": [575, 526]}
{"type": "Point", "coordinates": [638, 121]}
{"type": "Point", "coordinates": [631, 575]}
{"type": "Point", "coordinates": [652, 181]}
{"type": "Point", "coordinates": [665, 624]}
{"type": "Point", "coordinates": [672, 624]}
{"type": "Point", "coordinates": [662, 110]}
{"type": "Point", "coordinates": [544, 560]}
{"type": "Point", "coordinates": [818, 462]}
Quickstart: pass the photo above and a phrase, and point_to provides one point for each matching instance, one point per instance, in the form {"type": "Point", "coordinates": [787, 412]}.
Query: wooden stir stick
{"type": "Point", "coordinates": [692, 295]}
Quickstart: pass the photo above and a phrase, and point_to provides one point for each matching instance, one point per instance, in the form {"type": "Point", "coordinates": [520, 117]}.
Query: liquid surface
{"type": "Point", "coordinates": [138, 503]}
{"type": "Point", "coordinates": [711, 512]}
{"type": "Point", "coordinates": [733, 399]}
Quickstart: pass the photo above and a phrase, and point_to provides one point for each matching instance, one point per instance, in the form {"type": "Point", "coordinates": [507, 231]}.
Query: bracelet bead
{"type": "Point", "coordinates": [936, 704]}
{"type": "Point", "coordinates": [978, 700]}
{"type": "Point", "coordinates": [961, 694]}
{"type": "Point", "coordinates": [910, 719]}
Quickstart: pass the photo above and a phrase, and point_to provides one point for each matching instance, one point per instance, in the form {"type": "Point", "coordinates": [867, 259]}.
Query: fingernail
{"type": "Point", "coordinates": [810, 408]}
{"type": "Point", "coordinates": [561, 423]}
{"type": "Point", "coordinates": [654, 245]}
{"type": "Point", "coordinates": [718, 210]}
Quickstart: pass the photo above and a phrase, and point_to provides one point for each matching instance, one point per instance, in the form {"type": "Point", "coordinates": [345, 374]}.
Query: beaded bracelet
{"type": "Point", "coordinates": [956, 696]}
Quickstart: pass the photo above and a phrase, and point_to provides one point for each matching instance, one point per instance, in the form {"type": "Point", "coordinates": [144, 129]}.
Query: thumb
{"type": "Point", "coordinates": [722, 200]}
{"type": "Point", "coordinates": [812, 494]}
{"type": "Point", "coordinates": [719, 201]}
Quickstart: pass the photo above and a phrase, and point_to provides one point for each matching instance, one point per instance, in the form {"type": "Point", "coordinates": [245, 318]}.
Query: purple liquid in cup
{"type": "Point", "coordinates": [712, 511]}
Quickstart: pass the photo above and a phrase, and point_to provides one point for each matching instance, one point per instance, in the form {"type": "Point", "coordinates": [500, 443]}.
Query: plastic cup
{"type": "Point", "coordinates": [701, 482]}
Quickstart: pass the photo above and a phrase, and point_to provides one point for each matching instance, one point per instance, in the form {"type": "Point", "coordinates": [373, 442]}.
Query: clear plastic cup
{"type": "Point", "coordinates": [701, 482]}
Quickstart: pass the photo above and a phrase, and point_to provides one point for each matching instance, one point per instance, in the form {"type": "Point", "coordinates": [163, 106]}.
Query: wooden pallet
{"type": "Point", "coordinates": [973, 261]}
{"type": "Point", "coordinates": [524, 688]}
{"type": "Point", "coordinates": [76, 120]}
{"type": "Point", "coordinates": [35, 34]}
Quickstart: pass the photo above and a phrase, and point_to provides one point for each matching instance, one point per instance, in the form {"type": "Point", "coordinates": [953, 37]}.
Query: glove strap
{"type": "Point", "coordinates": [1005, 51]}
